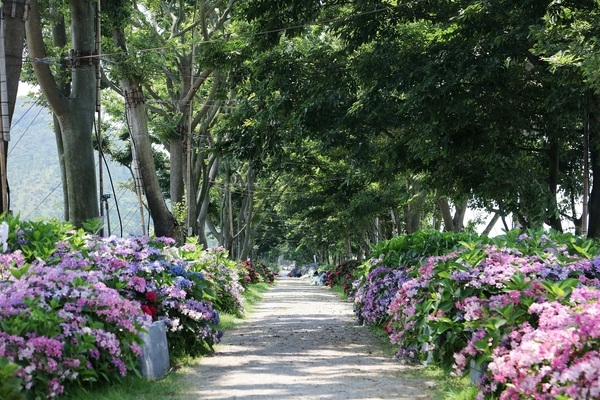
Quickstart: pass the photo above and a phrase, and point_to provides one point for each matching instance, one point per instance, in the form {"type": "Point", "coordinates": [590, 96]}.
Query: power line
{"type": "Point", "coordinates": [33, 104]}
{"type": "Point", "coordinates": [43, 200]}
{"type": "Point", "coordinates": [26, 129]}
{"type": "Point", "coordinates": [106, 56]}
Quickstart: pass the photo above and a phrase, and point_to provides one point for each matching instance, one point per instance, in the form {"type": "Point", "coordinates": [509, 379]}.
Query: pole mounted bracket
{"type": "Point", "coordinates": [134, 96]}
{"type": "Point", "coordinates": [16, 9]}
{"type": "Point", "coordinates": [78, 58]}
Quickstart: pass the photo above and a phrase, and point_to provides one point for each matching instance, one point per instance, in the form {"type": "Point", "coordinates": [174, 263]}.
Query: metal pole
{"type": "Point", "coordinates": [104, 198]}
{"type": "Point", "coordinates": [99, 121]}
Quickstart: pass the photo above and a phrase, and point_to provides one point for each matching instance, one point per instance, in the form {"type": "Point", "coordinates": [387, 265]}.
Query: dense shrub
{"type": "Point", "coordinates": [11, 386]}
{"type": "Point", "coordinates": [391, 264]}
{"type": "Point", "coordinates": [76, 315]}
{"type": "Point", "coordinates": [375, 292]}
{"type": "Point", "coordinates": [412, 249]}
{"type": "Point", "coordinates": [62, 323]}
{"type": "Point", "coordinates": [343, 275]}
{"type": "Point", "coordinates": [266, 273]}
{"type": "Point", "coordinates": [526, 303]}
{"type": "Point", "coordinates": [248, 273]}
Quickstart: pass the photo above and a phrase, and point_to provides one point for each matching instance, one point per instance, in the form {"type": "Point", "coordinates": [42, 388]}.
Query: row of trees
{"type": "Point", "coordinates": [319, 127]}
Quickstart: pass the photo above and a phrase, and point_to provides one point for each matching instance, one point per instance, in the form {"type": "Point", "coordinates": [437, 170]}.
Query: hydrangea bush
{"type": "Point", "coordinates": [62, 323]}
{"type": "Point", "coordinates": [558, 359]}
{"type": "Point", "coordinates": [170, 285]}
{"type": "Point", "coordinates": [254, 273]}
{"type": "Point", "coordinates": [73, 305]}
{"type": "Point", "coordinates": [374, 293]}
{"type": "Point", "coordinates": [390, 265]}
{"type": "Point", "coordinates": [524, 303]}
{"type": "Point", "coordinates": [342, 274]}
{"type": "Point", "coordinates": [480, 287]}
{"type": "Point", "coordinates": [248, 273]}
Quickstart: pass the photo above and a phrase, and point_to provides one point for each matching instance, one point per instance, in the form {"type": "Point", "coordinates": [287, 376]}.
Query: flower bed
{"type": "Point", "coordinates": [73, 305]}
{"type": "Point", "coordinates": [524, 303]}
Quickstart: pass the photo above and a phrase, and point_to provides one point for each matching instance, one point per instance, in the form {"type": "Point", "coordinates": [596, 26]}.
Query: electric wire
{"type": "Point", "coordinates": [242, 188]}
{"type": "Point", "coordinates": [43, 200]}
{"type": "Point", "coordinates": [112, 185]}
{"type": "Point", "coordinates": [58, 60]}
{"type": "Point", "coordinates": [33, 104]}
{"type": "Point", "coordinates": [110, 178]}
{"type": "Point", "coordinates": [26, 129]}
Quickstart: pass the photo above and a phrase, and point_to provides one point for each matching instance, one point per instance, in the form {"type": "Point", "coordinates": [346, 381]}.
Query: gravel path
{"type": "Point", "coordinates": [302, 342]}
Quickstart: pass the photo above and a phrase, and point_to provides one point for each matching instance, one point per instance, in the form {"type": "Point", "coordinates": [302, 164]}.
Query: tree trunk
{"type": "Point", "coordinates": [452, 223]}
{"type": "Point", "coordinates": [490, 225]}
{"type": "Point", "coordinates": [444, 206]}
{"type": "Point", "coordinates": [59, 39]}
{"type": "Point", "coordinates": [594, 201]}
{"type": "Point", "coordinates": [553, 216]}
{"type": "Point", "coordinates": [164, 222]}
{"type": "Point", "coordinates": [226, 215]}
{"type": "Point", "coordinates": [15, 13]}
{"type": "Point", "coordinates": [412, 218]}
{"type": "Point", "coordinates": [137, 115]}
{"type": "Point", "coordinates": [204, 200]}
{"type": "Point", "coordinates": [459, 215]}
{"type": "Point", "coordinates": [248, 212]}
{"type": "Point", "coordinates": [75, 113]}
{"type": "Point", "coordinates": [176, 171]}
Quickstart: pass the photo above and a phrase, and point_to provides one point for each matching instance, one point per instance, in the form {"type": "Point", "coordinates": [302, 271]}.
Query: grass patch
{"type": "Point", "coordinates": [339, 290]}
{"type": "Point", "coordinates": [252, 296]}
{"type": "Point", "coordinates": [134, 387]}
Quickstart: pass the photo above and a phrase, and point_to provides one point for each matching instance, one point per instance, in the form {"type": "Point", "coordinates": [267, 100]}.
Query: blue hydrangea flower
{"type": "Point", "coordinates": [182, 283]}
{"type": "Point", "coordinates": [197, 275]}
{"type": "Point", "coordinates": [176, 270]}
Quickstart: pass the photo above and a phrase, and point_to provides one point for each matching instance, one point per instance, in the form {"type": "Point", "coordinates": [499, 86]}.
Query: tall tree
{"type": "Point", "coordinates": [74, 110]}
{"type": "Point", "coordinates": [130, 80]}
{"type": "Point", "coordinates": [14, 13]}
{"type": "Point", "coordinates": [567, 40]}
{"type": "Point", "coordinates": [183, 90]}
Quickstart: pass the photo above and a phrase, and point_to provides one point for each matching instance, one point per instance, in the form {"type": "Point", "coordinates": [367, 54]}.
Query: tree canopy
{"type": "Point", "coordinates": [316, 128]}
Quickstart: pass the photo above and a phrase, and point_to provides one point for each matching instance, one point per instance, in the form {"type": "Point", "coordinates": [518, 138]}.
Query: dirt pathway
{"type": "Point", "coordinates": [302, 342]}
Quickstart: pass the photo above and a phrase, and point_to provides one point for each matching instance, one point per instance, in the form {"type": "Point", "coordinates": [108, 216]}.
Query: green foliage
{"type": "Point", "coordinates": [36, 239]}
{"type": "Point", "coordinates": [410, 250]}
{"type": "Point", "coordinates": [10, 385]}
{"type": "Point", "coordinates": [93, 226]}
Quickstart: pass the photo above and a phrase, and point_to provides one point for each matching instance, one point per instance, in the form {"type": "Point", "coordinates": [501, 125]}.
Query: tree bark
{"type": "Point", "coordinates": [204, 200]}
{"type": "Point", "coordinates": [164, 222]}
{"type": "Point", "coordinates": [594, 201]}
{"type": "Point", "coordinates": [247, 212]}
{"type": "Point", "coordinates": [15, 14]}
{"type": "Point", "coordinates": [176, 161]}
{"type": "Point", "coordinates": [75, 113]}
{"type": "Point", "coordinates": [59, 39]}
{"type": "Point", "coordinates": [553, 218]}
{"type": "Point", "coordinates": [444, 206]}
{"type": "Point", "coordinates": [459, 215]}
{"type": "Point", "coordinates": [137, 115]}
{"type": "Point", "coordinates": [490, 225]}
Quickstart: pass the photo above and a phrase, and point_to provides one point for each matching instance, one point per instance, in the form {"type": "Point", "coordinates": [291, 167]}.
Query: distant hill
{"type": "Point", "coordinates": [34, 173]}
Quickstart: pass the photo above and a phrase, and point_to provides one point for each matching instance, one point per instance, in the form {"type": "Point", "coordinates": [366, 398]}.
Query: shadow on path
{"type": "Point", "coordinates": [302, 342]}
